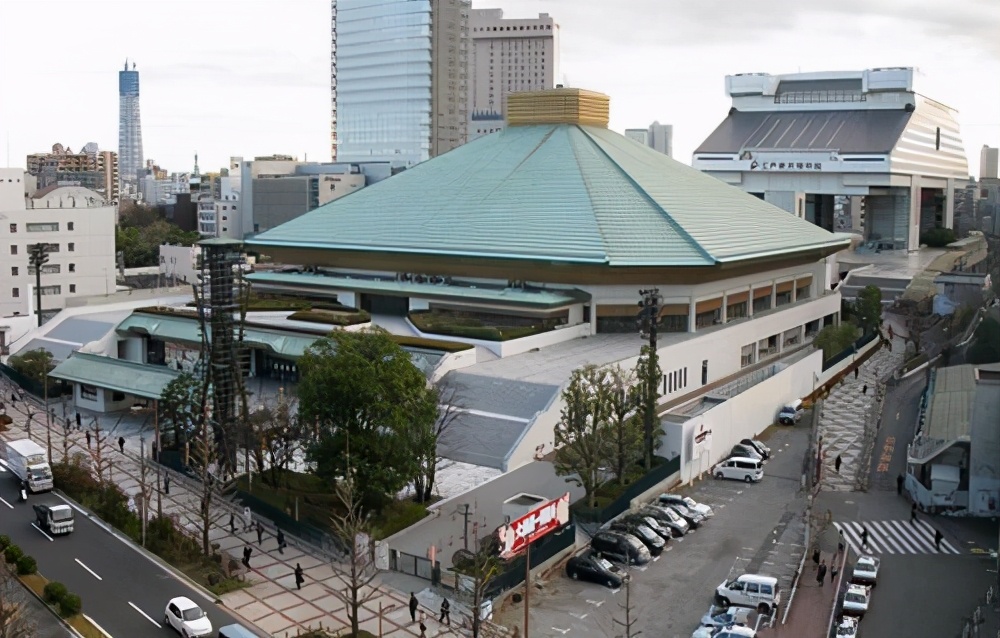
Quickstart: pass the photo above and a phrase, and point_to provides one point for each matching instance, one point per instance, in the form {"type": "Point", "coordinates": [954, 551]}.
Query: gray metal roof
{"type": "Point", "coordinates": [59, 350]}
{"type": "Point", "coordinates": [480, 440]}
{"type": "Point", "coordinates": [130, 377]}
{"type": "Point", "coordinates": [985, 434]}
{"type": "Point", "coordinates": [951, 404]}
{"type": "Point", "coordinates": [79, 330]}
{"type": "Point", "coordinates": [520, 399]}
{"type": "Point", "coordinates": [847, 132]}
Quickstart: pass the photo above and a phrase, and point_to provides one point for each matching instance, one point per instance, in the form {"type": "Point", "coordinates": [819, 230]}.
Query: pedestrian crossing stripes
{"type": "Point", "coordinates": [893, 537]}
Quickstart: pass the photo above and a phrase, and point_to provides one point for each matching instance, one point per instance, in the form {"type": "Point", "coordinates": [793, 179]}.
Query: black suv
{"type": "Point", "coordinates": [590, 566]}
{"type": "Point", "coordinates": [620, 547]}
{"type": "Point", "coordinates": [653, 542]}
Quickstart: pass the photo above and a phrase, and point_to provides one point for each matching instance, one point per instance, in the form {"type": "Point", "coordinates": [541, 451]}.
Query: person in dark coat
{"type": "Point", "coordinates": [166, 484]}
{"type": "Point", "coordinates": [413, 607]}
{"type": "Point", "coordinates": [864, 389]}
{"type": "Point", "coordinates": [816, 557]}
{"type": "Point", "coordinates": [821, 573]}
{"type": "Point", "coordinates": [232, 523]}
{"type": "Point", "coordinates": [423, 629]}
{"type": "Point", "coordinates": [938, 537]}
{"type": "Point", "coordinates": [299, 576]}
{"type": "Point", "coordinates": [260, 533]}
{"type": "Point", "coordinates": [445, 612]}
{"type": "Point", "coordinates": [913, 514]}
{"type": "Point", "coordinates": [281, 541]}
{"type": "Point", "coordinates": [833, 571]}
{"type": "Point", "coordinates": [864, 537]}
{"type": "Point", "coordinates": [899, 484]}
{"type": "Point", "coordinates": [78, 421]}
{"type": "Point", "coordinates": [121, 444]}
{"type": "Point", "coordinates": [836, 463]}
{"type": "Point", "coordinates": [88, 439]}
{"type": "Point", "coordinates": [247, 552]}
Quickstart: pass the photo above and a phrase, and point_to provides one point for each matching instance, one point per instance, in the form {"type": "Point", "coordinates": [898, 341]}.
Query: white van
{"type": "Point", "coordinates": [750, 590]}
{"type": "Point", "coordinates": [790, 414]}
{"type": "Point", "coordinates": [739, 468]}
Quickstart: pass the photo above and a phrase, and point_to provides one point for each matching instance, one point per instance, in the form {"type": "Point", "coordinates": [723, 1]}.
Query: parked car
{"type": "Point", "coordinates": [866, 570]}
{"type": "Point", "coordinates": [762, 449]}
{"type": "Point", "coordinates": [639, 518]}
{"type": "Point", "coordinates": [653, 541]}
{"type": "Point", "coordinates": [722, 616]}
{"type": "Point", "coordinates": [621, 547]}
{"type": "Point", "coordinates": [739, 469]}
{"type": "Point", "coordinates": [856, 600]}
{"type": "Point", "coordinates": [694, 520]}
{"type": "Point", "coordinates": [676, 499]}
{"type": "Point", "coordinates": [750, 590]}
{"type": "Point", "coordinates": [187, 618]}
{"type": "Point", "coordinates": [730, 631]}
{"type": "Point", "coordinates": [848, 628]}
{"type": "Point", "coordinates": [667, 518]}
{"type": "Point", "coordinates": [591, 567]}
{"type": "Point", "coordinates": [791, 413]}
{"type": "Point", "coordinates": [746, 452]}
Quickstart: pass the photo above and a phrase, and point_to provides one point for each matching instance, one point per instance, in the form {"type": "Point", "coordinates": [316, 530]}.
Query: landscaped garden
{"type": "Point", "coordinates": [493, 328]}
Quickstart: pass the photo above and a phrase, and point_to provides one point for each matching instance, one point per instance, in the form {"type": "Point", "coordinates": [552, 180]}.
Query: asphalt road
{"type": "Point", "coordinates": [899, 423]}
{"type": "Point", "coordinates": [756, 529]}
{"type": "Point", "coordinates": [122, 590]}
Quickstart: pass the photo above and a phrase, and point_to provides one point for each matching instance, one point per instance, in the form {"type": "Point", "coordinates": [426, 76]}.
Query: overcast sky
{"type": "Point", "coordinates": [251, 77]}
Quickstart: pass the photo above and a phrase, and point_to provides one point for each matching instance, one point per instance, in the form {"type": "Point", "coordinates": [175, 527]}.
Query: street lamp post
{"type": "Point", "coordinates": [649, 317]}
{"type": "Point", "coordinates": [38, 256]}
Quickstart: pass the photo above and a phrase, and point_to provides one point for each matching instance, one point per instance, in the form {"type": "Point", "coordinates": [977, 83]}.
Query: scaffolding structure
{"type": "Point", "coordinates": [221, 294]}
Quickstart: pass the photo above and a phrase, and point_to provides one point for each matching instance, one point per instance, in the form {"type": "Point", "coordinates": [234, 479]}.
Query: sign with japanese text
{"type": "Point", "coordinates": [516, 535]}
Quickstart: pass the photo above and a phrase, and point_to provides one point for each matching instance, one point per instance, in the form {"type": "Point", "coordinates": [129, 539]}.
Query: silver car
{"type": "Point", "coordinates": [866, 570]}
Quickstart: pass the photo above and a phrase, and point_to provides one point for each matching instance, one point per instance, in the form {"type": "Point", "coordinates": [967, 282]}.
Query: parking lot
{"type": "Point", "coordinates": [757, 528]}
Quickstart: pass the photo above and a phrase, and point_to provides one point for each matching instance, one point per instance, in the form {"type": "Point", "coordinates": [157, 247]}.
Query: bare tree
{"type": "Point", "coordinates": [627, 608]}
{"type": "Point", "coordinates": [207, 462]}
{"type": "Point", "coordinates": [15, 619]}
{"type": "Point", "coordinates": [476, 571]}
{"type": "Point", "coordinates": [624, 421]}
{"type": "Point", "coordinates": [98, 450]}
{"type": "Point", "coordinates": [581, 436]}
{"type": "Point", "coordinates": [353, 526]}
{"type": "Point", "coordinates": [273, 433]}
{"type": "Point", "coordinates": [450, 406]}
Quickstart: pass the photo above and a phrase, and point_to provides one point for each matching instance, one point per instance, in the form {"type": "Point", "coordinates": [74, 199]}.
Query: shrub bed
{"type": "Point", "coordinates": [340, 317]}
{"type": "Point", "coordinates": [443, 323]}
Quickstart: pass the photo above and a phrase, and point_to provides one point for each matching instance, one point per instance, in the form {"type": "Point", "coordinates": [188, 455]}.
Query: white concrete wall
{"type": "Point", "coordinates": [454, 361]}
{"type": "Point", "coordinates": [543, 339]}
{"type": "Point", "coordinates": [179, 264]}
{"type": "Point", "coordinates": [744, 416]}
{"type": "Point", "coordinates": [541, 433]}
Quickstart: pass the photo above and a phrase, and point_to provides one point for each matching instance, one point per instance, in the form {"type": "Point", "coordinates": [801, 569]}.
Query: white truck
{"type": "Point", "coordinates": [28, 462]}
{"type": "Point", "coordinates": [56, 519]}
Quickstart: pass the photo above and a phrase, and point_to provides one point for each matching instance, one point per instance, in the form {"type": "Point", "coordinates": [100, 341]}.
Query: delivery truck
{"type": "Point", "coordinates": [55, 519]}
{"type": "Point", "coordinates": [29, 463]}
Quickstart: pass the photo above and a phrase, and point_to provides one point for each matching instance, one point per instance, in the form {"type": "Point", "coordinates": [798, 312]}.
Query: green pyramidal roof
{"type": "Point", "coordinates": [562, 192]}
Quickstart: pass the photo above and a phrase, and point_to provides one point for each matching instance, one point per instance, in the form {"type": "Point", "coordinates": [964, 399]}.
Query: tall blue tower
{"type": "Point", "coordinates": [129, 126]}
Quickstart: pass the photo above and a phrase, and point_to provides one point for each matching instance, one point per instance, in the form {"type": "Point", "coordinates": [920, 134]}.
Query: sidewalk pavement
{"type": "Point", "coordinates": [851, 406]}
{"type": "Point", "coordinates": [271, 603]}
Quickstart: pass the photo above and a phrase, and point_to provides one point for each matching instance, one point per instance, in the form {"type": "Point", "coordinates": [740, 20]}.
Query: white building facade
{"type": "Point", "coordinates": [507, 55]}
{"type": "Point", "coordinates": [76, 223]}
{"type": "Point", "coordinates": [659, 137]}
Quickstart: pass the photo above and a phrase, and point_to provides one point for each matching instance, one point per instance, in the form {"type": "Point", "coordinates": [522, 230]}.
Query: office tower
{"type": "Point", "coordinates": [507, 56]}
{"type": "Point", "coordinates": [398, 79]}
{"type": "Point", "coordinates": [989, 162]}
{"type": "Point", "coordinates": [659, 137]}
{"type": "Point", "coordinates": [129, 126]}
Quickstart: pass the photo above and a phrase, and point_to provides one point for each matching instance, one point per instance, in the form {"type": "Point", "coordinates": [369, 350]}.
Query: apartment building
{"type": "Point", "coordinates": [507, 55]}
{"type": "Point", "coordinates": [91, 168]}
{"type": "Point", "coordinates": [659, 137]}
{"type": "Point", "coordinates": [77, 225]}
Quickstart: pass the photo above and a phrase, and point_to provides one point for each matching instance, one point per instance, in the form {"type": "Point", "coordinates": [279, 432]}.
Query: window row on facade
{"type": "Point", "coordinates": [46, 290]}
{"type": "Point", "coordinates": [42, 227]}
{"type": "Point", "coordinates": [50, 248]}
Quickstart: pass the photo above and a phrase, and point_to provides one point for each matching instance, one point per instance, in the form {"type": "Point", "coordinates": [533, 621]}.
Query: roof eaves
{"type": "Point", "coordinates": [835, 243]}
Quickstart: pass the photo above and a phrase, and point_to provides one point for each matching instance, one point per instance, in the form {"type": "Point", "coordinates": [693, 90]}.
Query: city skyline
{"type": "Point", "coordinates": [261, 84]}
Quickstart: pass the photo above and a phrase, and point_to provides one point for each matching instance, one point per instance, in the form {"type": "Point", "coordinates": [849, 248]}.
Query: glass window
{"type": "Point", "coordinates": [14, 271]}
{"type": "Point", "coordinates": [69, 225]}
{"type": "Point", "coordinates": [16, 292]}
{"type": "Point", "coordinates": [13, 249]}
{"type": "Point", "coordinates": [13, 228]}
{"type": "Point", "coordinates": [51, 290]}
{"type": "Point", "coordinates": [72, 287]}
{"type": "Point", "coordinates": [71, 247]}
{"type": "Point", "coordinates": [43, 227]}
{"type": "Point", "coordinates": [72, 267]}
{"type": "Point", "coordinates": [88, 392]}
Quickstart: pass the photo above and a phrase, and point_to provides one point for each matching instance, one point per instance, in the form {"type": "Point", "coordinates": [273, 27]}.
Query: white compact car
{"type": "Point", "coordinates": [739, 469]}
{"type": "Point", "coordinates": [848, 628]}
{"type": "Point", "coordinates": [856, 600]}
{"type": "Point", "coordinates": [723, 616]}
{"type": "Point", "coordinates": [726, 631]}
{"type": "Point", "coordinates": [187, 618]}
{"type": "Point", "coordinates": [676, 499]}
{"type": "Point", "coordinates": [866, 570]}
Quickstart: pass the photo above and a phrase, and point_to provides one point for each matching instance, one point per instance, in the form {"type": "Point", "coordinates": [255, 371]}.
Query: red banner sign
{"type": "Point", "coordinates": [518, 534]}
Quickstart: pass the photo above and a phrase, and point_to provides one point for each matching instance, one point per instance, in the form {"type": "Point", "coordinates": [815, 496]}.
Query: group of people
{"type": "Point", "coordinates": [445, 616]}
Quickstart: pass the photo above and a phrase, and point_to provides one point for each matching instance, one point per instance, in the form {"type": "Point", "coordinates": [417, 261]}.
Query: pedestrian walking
{"type": "Point", "coordinates": [413, 607]}
{"type": "Point", "coordinates": [155, 449]}
{"type": "Point", "coordinates": [938, 537]}
{"type": "Point", "coordinates": [247, 552]}
{"type": "Point", "coordinates": [899, 484]}
{"type": "Point", "coordinates": [166, 484]}
{"type": "Point", "coordinates": [816, 556]}
{"type": "Point", "coordinates": [121, 444]}
{"type": "Point", "coordinates": [892, 335]}
{"type": "Point", "coordinates": [856, 372]}
{"type": "Point", "coordinates": [423, 629]}
{"type": "Point", "coordinates": [864, 389]}
{"type": "Point", "coordinates": [913, 514]}
{"type": "Point", "coordinates": [248, 521]}
{"type": "Point", "coordinates": [88, 439]}
{"type": "Point", "coordinates": [836, 463]}
{"type": "Point", "coordinates": [833, 571]}
{"type": "Point", "coordinates": [299, 576]}
{"type": "Point", "coordinates": [281, 541]}
{"type": "Point", "coordinates": [79, 423]}
{"type": "Point", "coordinates": [864, 537]}
{"type": "Point", "coordinates": [821, 573]}
{"type": "Point", "coordinates": [260, 531]}
{"type": "Point", "coordinates": [232, 523]}
{"type": "Point", "coordinates": [445, 612]}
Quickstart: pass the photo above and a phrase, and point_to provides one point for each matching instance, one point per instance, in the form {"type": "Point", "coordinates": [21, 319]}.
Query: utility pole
{"type": "Point", "coordinates": [648, 319]}
{"type": "Point", "coordinates": [38, 256]}
{"type": "Point", "coordinates": [465, 527]}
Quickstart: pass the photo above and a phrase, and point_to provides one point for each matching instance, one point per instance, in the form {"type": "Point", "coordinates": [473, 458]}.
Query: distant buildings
{"type": "Point", "coordinates": [659, 137]}
{"type": "Point", "coordinates": [398, 79]}
{"type": "Point", "coordinates": [129, 126]}
{"type": "Point", "coordinates": [857, 151]}
{"type": "Point", "coordinates": [76, 223]}
{"type": "Point", "coordinates": [91, 168]}
{"type": "Point", "coordinates": [989, 162]}
{"type": "Point", "coordinates": [507, 55]}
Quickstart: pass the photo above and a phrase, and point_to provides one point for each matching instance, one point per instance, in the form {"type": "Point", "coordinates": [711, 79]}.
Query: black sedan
{"type": "Point", "coordinates": [667, 518]}
{"type": "Point", "coordinates": [590, 566]}
{"type": "Point", "coordinates": [642, 519]}
{"type": "Point", "coordinates": [694, 519]}
{"type": "Point", "coordinates": [653, 541]}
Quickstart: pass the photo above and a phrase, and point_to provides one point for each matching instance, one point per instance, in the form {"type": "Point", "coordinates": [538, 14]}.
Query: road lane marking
{"type": "Point", "coordinates": [6, 503]}
{"type": "Point", "coordinates": [92, 572]}
{"type": "Point", "coordinates": [40, 531]}
{"type": "Point", "coordinates": [132, 605]}
{"type": "Point", "coordinates": [562, 631]}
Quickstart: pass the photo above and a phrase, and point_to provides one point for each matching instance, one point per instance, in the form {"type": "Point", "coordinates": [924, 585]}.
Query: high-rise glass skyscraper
{"type": "Point", "coordinates": [129, 127]}
{"type": "Point", "coordinates": [398, 79]}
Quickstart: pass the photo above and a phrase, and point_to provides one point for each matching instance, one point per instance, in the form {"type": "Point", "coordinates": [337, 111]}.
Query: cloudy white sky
{"type": "Point", "coordinates": [251, 77]}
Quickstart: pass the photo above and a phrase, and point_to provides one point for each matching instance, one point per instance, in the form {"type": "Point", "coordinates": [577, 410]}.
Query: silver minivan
{"type": "Point", "coordinates": [739, 468]}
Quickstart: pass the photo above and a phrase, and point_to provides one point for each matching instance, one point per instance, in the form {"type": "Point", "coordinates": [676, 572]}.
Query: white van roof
{"type": "Point", "coordinates": [756, 578]}
{"type": "Point", "coordinates": [743, 459]}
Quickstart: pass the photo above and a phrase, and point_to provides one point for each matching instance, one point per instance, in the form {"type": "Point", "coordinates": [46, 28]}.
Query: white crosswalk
{"type": "Point", "coordinates": [893, 537]}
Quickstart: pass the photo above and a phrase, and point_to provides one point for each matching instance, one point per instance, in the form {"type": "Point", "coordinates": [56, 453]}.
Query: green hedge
{"type": "Point", "coordinates": [4, 542]}
{"type": "Point", "coordinates": [436, 322]}
{"type": "Point", "coordinates": [432, 344]}
{"type": "Point", "coordinates": [12, 554]}
{"type": "Point", "coordinates": [937, 237]}
{"type": "Point", "coordinates": [70, 605]}
{"type": "Point", "coordinates": [55, 592]}
{"type": "Point", "coordinates": [345, 317]}
{"type": "Point", "coordinates": [26, 565]}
